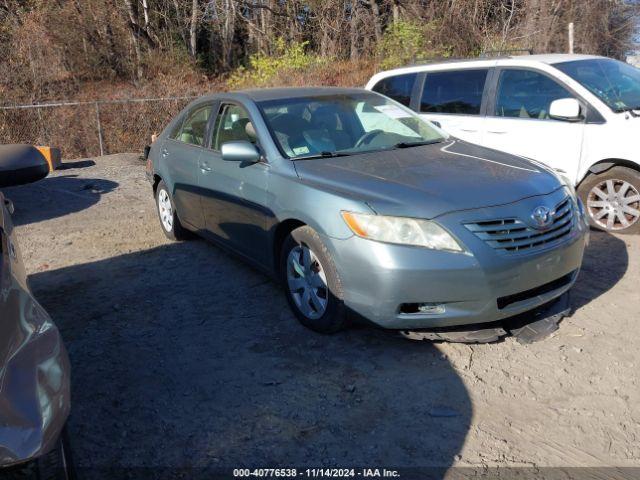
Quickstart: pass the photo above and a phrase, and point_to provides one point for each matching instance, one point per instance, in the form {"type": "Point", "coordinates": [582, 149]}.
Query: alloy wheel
{"type": "Point", "coordinates": [614, 204]}
{"type": "Point", "coordinates": [165, 209]}
{"type": "Point", "coordinates": [307, 282]}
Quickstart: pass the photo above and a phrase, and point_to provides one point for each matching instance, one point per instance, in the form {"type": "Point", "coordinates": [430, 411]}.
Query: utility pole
{"type": "Point", "coordinates": [571, 37]}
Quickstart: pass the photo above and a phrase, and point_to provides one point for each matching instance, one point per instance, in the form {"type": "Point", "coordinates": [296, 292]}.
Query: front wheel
{"type": "Point", "coordinates": [311, 281]}
{"type": "Point", "coordinates": [612, 200]}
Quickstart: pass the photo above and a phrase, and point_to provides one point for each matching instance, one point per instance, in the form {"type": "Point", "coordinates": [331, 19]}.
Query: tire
{"type": "Point", "coordinates": [606, 208]}
{"type": "Point", "coordinates": [317, 278]}
{"type": "Point", "coordinates": [167, 214]}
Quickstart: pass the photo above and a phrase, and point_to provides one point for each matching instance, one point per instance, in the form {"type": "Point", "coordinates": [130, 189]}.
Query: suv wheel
{"type": "Point", "coordinates": [612, 200]}
{"type": "Point", "coordinates": [310, 278]}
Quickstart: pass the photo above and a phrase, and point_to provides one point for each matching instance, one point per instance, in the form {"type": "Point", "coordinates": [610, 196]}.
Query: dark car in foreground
{"type": "Point", "coordinates": [358, 205]}
{"type": "Point", "coordinates": [34, 367]}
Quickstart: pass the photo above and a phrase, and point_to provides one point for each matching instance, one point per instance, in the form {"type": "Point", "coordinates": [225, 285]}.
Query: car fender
{"type": "Point", "coordinates": [314, 206]}
{"type": "Point", "coordinates": [604, 165]}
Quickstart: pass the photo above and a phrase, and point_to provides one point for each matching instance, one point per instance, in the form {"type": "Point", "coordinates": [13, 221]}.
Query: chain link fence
{"type": "Point", "coordinates": [86, 129]}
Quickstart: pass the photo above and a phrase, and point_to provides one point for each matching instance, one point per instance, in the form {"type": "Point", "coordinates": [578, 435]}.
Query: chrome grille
{"type": "Point", "coordinates": [514, 235]}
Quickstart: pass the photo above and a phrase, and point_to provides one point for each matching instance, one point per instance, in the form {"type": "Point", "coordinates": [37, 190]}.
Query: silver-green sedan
{"type": "Point", "coordinates": [357, 205]}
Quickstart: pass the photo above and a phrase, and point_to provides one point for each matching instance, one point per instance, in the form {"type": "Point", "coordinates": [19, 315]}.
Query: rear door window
{"type": "Point", "coordinates": [194, 128]}
{"type": "Point", "coordinates": [398, 87]}
{"type": "Point", "coordinates": [454, 92]}
{"type": "Point", "coordinates": [527, 94]}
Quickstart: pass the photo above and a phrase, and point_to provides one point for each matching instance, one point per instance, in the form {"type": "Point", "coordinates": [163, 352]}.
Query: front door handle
{"type": "Point", "coordinates": [165, 152]}
{"type": "Point", "coordinates": [497, 132]}
{"type": "Point", "coordinates": [469, 130]}
{"type": "Point", "coordinates": [204, 166]}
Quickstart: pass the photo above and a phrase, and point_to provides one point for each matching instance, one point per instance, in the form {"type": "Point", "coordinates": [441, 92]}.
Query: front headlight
{"type": "Point", "coordinates": [401, 230]}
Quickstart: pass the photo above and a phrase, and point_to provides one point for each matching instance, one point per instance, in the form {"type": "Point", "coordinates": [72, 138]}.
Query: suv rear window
{"type": "Point", "coordinates": [458, 92]}
{"type": "Point", "coordinates": [398, 87]}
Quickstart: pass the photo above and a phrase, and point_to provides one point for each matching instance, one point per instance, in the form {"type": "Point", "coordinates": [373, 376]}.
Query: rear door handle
{"type": "Point", "coordinates": [469, 130]}
{"type": "Point", "coordinates": [165, 152]}
{"type": "Point", "coordinates": [497, 132]}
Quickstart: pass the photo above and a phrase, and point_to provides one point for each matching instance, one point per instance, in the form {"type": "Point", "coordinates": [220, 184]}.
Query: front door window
{"type": "Point", "coordinates": [232, 125]}
{"type": "Point", "coordinates": [527, 94]}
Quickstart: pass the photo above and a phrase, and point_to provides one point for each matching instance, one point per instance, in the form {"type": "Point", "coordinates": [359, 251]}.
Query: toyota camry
{"type": "Point", "coordinates": [357, 205]}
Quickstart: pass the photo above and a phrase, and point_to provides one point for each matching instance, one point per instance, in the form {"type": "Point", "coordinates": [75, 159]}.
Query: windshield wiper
{"type": "Point", "coordinates": [632, 110]}
{"type": "Point", "coordinates": [415, 144]}
{"type": "Point", "coordinates": [325, 154]}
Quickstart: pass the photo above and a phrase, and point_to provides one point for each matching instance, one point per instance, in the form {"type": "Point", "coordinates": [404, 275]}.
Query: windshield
{"type": "Point", "coordinates": [615, 83]}
{"type": "Point", "coordinates": [344, 124]}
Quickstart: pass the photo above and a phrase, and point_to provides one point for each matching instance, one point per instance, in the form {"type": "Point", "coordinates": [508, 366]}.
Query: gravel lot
{"type": "Point", "coordinates": [183, 356]}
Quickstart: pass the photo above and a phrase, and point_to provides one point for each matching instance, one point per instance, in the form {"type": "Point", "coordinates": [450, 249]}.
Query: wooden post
{"type": "Point", "coordinates": [99, 128]}
{"type": "Point", "coordinates": [571, 37]}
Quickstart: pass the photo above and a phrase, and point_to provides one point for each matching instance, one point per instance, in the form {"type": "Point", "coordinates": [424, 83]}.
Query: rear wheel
{"type": "Point", "coordinates": [612, 200]}
{"type": "Point", "coordinates": [310, 278]}
{"type": "Point", "coordinates": [169, 221]}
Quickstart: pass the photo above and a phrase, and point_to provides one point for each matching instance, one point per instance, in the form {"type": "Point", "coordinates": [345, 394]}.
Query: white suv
{"type": "Point", "coordinates": [579, 114]}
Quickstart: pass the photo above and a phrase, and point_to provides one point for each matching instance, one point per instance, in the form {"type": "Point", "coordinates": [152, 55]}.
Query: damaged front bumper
{"type": "Point", "coordinates": [527, 327]}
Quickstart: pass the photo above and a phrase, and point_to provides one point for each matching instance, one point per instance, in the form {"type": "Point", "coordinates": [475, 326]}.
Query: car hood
{"type": "Point", "coordinates": [430, 180]}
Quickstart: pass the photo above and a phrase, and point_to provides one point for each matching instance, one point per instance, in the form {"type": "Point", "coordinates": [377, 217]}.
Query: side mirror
{"type": "Point", "coordinates": [567, 109]}
{"type": "Point", "coordinates": [20, 164]}
{"type": "Point", "coordinates": [240, 151]}
{"type": "Point", "coordinates": [8, 204]}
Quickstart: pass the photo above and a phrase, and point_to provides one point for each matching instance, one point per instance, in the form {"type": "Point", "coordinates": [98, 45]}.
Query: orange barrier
{"type": "Point", "coordinates": [52, 155]}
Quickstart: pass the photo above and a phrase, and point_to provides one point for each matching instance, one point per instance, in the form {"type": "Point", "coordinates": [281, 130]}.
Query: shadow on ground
{"type": "Point", "coordinates": [605, 262]}
{"type": "Point", "coordinates": [184, 357]}
{"type": "Point", "coordinates": [77, 164]}
{"type": "Point", "coordinates": [55, 197]}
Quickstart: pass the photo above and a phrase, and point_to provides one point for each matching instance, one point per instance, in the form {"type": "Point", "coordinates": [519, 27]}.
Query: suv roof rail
{"type": "Point", "coordinates": [483, 56]}
{"type": "Point", "coordinates": [429, 61]}
{"type": "Point", "coordinates": [502, 53]}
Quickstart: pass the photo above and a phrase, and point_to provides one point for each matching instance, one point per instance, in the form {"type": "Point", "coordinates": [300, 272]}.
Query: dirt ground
{"type": "Point", "coordinates": [183, 356]}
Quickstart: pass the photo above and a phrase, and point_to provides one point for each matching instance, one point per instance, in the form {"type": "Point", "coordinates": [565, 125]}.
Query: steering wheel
{"type": "Point", "coordinates": [368, 137]}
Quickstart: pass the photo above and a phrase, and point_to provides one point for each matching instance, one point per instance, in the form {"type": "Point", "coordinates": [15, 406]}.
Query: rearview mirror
{"type": "Point", "coordinates": [240, 151]}
{"type": "Point", "coordinates": [567, 109]}
{"type": "Point", "coordinates": [20, 164]}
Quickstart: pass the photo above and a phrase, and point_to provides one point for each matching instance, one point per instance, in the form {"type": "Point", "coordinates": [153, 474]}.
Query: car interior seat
{"type": "Point", "coordinates": [242, 129]}
{"type": "Point", "coordinates": [194, 133]}
{"type": "Point", "coordinates": [326, 119]}
{"type": "Point", "coordinates": [288, 128]}
{"type": "Point", "coordinates": [251, 132]}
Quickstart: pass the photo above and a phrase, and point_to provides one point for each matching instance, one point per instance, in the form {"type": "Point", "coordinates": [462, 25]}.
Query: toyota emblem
{"type": "Point", "coordinates": [542, 216]}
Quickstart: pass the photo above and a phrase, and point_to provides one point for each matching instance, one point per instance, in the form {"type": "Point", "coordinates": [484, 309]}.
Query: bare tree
{"type": "Point", "coordinates": [193, 28]}
{"type": "Point", "coordinates": [121, 40]}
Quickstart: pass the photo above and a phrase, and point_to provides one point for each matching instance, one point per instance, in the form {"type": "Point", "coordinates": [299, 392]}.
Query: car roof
{"type": "Point", "coordinates": [547, 58]}
{"type": "Point", "coordinates": [263, 94]}
{"type": "Point", "coordinates": [551, 58]}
